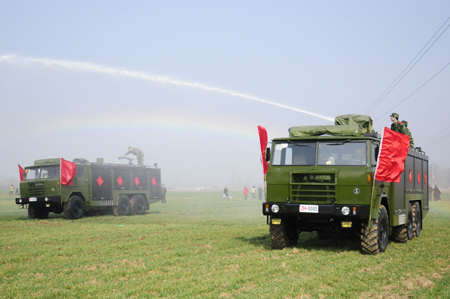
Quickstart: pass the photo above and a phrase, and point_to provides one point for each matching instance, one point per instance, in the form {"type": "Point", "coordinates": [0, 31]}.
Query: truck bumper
{"type": "Point", "coordinates": [38, 199]}
{"type": "Point", "coordinates": [314, 211]}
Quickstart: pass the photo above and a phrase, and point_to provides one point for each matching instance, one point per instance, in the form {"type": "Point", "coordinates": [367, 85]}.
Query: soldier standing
{"type": "Point", "coordinates": [408, 132]}
{"type": "Point", "coordinates": [396, 125]}
{"type": "Point", "coordinates": [163, 193]}
{"type": "Point", "coordinates": [137, 152]}
{"type": "Point", "coordinates": [436, 193]}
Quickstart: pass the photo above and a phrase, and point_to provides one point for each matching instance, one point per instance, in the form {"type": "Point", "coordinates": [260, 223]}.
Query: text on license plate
{"type": "Point", "coordinates": [32, 199]}
{"type": "Point", "coordinates": [309, 209]}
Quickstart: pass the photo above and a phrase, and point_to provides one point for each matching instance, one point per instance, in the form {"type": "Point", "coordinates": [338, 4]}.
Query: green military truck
{"type": "Point", "coordinates": [97, 186]}
{"type": "Point", "coordinates": [321, 178]}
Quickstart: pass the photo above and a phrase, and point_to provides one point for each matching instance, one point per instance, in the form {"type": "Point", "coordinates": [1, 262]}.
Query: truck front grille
{"type": "Point", "coordinates": [36, 189]}
{"type": "Point", "coordinates": [313, 187]}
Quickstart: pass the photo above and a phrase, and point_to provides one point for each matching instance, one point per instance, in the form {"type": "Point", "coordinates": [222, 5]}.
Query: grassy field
{"type": "Point", "coordinates": [198, 245]}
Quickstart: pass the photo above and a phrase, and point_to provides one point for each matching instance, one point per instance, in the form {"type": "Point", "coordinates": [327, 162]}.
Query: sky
{"type": "Point", "coordinates": [188, 82]}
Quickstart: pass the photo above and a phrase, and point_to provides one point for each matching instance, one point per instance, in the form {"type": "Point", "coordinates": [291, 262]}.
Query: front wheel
{"type": "Point", "coordinates": [375, 240]}
{"type": "Point", "coordinates": [37, 211]}
{"type": "Point", "coordinates": [74, 208]}
{"type": "Point", "coordinates": [283, 235]}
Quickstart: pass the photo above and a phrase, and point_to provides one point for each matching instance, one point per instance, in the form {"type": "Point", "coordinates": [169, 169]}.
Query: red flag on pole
{"type": "Point", "coordinates": [263, 142]}
{"type": "Point", "coordinates": [392, 156]}
{"type": "Point", "coordinates": [68, 170]}
{"type": "Point", "coordinates": [20, 172]}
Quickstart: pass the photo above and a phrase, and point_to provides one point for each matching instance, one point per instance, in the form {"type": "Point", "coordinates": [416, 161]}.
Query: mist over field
{"type": "Point", "coordinates": [188, 84]}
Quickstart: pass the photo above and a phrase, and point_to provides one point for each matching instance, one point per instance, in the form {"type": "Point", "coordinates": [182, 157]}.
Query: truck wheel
{"type": "Point", "coordinates": [403, 233]}
{"type": "Point", "coordinates": [283, 235]}
{"type": "Point", "coordinates": [138, 205]}
{"type": "Point", "coordinates": [375, 239]}
{"type": "Point", "coordinates": [37, 211]}
{"type": "Point", "coordinates": [417, 219]}
{"type": "Point", "coordinates": [74, 208]}
{"type": "Point", "coordinates": [123, 206]}
{"type": "Point", "coordinates": [32, 211]}
{"type": "Point", "coordinates": [322, 235]}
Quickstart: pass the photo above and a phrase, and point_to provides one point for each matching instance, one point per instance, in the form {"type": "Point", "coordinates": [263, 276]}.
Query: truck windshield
{"type": "Point", "coordinates": [43, 172]}
{"type": "Point", "coordinates": [342, 153]}
{"type": "Point", "coordinates": [294, 153]}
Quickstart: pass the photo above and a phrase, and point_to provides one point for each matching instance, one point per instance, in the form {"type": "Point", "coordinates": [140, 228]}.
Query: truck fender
{"type": "Point", "coordinates": [374, 208]}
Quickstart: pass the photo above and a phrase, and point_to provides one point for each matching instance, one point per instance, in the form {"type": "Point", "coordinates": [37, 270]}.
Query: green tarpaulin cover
{"type": "Point", "coordinates": [363, 121]}
{"type": "Point", "coordinates": [348, 130]}
{"type": "Point", "coordinates": [345, 125]}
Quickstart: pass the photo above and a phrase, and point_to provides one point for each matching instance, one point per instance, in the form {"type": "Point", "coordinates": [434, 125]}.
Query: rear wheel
{"type": "Point", "coordinates": [283, 235]}
{"type": "Point", "coordinates": [375, 240]}
{"type": "Point", "coordinates": [123, 207]}
{"type": "Point", "coordinates": [138, 205]}
{"type": "Point", "coordinates": [74, 208]}
{"type": "Point", "coordinates": [417, 219]}
{"type": "Point", "coordinates": [403, 233]}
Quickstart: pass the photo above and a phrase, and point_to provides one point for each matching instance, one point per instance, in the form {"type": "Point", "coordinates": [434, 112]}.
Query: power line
{"type": "Point", "coordinates": [438, 134]}
{"type": "Point", "coordinates": [403, 74]}
{"type": "Point", "coordinates": [416, 90]}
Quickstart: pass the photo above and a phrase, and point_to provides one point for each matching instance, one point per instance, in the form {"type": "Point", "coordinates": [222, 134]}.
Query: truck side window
{"type": "Point", "coordinates": [375, 151]}
{"type": "Point", "coordinates": [80, 172]}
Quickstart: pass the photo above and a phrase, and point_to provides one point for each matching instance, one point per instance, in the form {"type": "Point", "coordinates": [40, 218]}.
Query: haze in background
{"type": "Point", "coordinates": [188, 83]}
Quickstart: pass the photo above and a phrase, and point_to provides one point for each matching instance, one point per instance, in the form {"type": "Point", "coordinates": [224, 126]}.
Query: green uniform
{"type": "Point", "coordinates": [163, 194]}
{"type": "Point", "coordinates": [138, 153]}
{"type": "Point", "coordinates": [398, 127]}
{"type": "Point", "coordinates": [408, 132]}
{"type": "Point", "coordinates": [411, 140]}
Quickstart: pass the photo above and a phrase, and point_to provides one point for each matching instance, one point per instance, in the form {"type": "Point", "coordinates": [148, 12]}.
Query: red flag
{"type": "Point", "coordinates": [20, 172]}
{"type": "Point", "coordinates": [393, 152]}
{"type": "Point", "coordinates": [68, 170]}
{"type": "Point", "coordinates": [263, 142]}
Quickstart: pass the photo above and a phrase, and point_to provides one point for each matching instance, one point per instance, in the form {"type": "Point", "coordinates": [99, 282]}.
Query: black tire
{"type": "Point", "coordinates": [283, 235]}
{"type": "Point", "coordinates": [417, 219]}
{"type": "Point", "coordinates": [322, 235]}
{"type": "Point", "coordinates": [138, 205]}
{"type": "Point", "coordinates": [36, 211]}
{"type": "Point", "coordinates": [74, 208]}
{"type": "Point", "coordinates": [123, 207]}
{"type": "Point", "coordinates": [375, 239]}
{"type": "Point", "coordinates": [32, 211]}
{"type": "Point", "coordinates": [405, 232]}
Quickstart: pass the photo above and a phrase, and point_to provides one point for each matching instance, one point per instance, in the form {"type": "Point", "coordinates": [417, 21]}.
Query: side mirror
{"type": "Point", "coordinates": [377, 150]}
{"type": "Point", "coordinates": [268, 154]}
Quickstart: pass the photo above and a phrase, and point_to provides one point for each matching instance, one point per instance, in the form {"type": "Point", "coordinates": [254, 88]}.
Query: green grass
{"type": "Point", "coordinates": [201, 246]}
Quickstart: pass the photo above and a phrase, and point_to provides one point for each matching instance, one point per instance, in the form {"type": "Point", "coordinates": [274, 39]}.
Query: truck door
{"type": "Point", "coordinates": [101, 179]}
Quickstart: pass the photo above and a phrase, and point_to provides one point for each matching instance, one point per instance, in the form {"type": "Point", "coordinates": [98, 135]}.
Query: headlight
{"type": "Point", "coordinates": [20, 200]}
{"type": "Point", "coordinates": [345, 211]}
{"type": "Point", "coordinates": [275, 208]}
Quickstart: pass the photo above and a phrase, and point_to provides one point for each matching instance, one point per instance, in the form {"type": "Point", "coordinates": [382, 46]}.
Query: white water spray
{"type": "Point", "coordinates": [94, 68]}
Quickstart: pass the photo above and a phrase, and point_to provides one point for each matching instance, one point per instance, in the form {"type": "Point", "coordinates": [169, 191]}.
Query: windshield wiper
{"type": "Point", "coordinates": [300, 144]}
{"type": "Point", "coordinates": [342, 142]}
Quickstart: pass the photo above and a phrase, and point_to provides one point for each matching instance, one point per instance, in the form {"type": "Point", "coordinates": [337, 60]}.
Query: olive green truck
{"type": "Point", "coordinates": [96, 187]}
{"type": "Point", "coordinates": [321, 178]}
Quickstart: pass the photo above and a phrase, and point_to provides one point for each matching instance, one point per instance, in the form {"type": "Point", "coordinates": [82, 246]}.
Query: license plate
{"type": "Point", "coordinates": [32, 199]}
{"type": "Point", "coordinates": [309, 209]}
